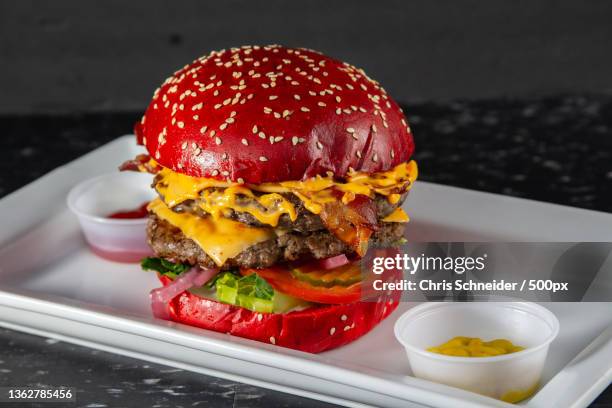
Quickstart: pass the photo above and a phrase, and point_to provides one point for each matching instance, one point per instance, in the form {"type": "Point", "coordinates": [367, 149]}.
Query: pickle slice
{"type": "Point", "coordinates": [345, 275]}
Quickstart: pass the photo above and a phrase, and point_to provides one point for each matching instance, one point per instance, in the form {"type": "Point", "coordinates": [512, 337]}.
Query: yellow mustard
{"type": "Point", "coordinates": [514, 396]}
{"type": "Point", "coordinates": [475, 347]}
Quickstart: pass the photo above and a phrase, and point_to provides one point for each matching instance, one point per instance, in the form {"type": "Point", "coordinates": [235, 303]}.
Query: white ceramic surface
{"type": "Point", "coordinates": [526, 324]}
{"type": "Point", "coordinates": [57, 288]}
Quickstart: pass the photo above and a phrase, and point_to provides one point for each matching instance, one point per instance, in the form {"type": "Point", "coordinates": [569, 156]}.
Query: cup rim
{"type": "Point", "coordinates": [530, 307]}
{"type": "Point", "coordinates": [76, 192]}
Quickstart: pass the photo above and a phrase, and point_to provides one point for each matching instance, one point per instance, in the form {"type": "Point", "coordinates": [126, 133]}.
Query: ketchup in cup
{"type": "Point", "coordinates": [140, 212]}
{"type": "Point", "coordinates": [114, 227]}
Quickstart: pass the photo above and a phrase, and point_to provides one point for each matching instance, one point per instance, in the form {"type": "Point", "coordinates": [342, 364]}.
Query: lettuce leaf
{"type": "Point", "coordinates": [251, 292]}
{"type": "Point", "coordinates": [163, 266]}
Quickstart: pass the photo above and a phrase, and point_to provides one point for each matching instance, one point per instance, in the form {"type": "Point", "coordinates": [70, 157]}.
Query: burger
{"type": "Point", "coordinates": [276, 169]}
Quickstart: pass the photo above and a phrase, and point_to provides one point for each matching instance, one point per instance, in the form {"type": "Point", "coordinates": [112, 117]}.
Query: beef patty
{"type": "Point", "coordinates": [306, 221]}
{"type": "Point", "coordinates": [169, 242]}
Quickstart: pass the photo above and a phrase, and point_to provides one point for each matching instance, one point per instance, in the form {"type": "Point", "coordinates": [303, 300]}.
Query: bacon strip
{"type": "Point", "coordinates": [353, 223]}
{"type": "Point", "coordinates": [141, 163]}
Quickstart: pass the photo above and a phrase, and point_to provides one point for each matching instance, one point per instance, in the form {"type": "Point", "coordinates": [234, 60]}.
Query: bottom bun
{"type": "Point", "coordinates": [315, 329]}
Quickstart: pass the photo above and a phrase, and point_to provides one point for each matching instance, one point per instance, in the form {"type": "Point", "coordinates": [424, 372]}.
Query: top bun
{"type": "Point", "coordinates": [268, 114]}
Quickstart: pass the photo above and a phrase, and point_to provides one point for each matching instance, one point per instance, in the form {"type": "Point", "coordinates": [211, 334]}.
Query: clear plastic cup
{"type": "Point", "coordinates": [93, 200]}
{"type": "Point", "coordinates": [509, 377]}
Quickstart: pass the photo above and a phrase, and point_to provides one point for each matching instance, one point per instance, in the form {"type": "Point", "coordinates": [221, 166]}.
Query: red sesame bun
{"type": "Point", "coordinates": [269, 114]}
{"type": "Point", "coordinates": [314, 330]}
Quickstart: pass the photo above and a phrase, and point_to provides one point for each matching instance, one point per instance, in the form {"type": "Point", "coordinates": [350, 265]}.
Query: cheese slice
{"type": "Point", "coordinates": [218, 196]}
{"type": "Point", "coordinates": [398, 215]}
{"type": "Point", "coordinates": [220, 238]}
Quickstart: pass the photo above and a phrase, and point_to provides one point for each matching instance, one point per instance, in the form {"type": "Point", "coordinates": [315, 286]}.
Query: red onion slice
{"type": "Point", "coordinates": [333, 262]}
{"type": "Point", "coordinates": [160, 297]}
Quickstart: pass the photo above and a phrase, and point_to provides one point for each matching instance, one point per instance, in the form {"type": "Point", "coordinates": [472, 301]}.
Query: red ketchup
{"type": "Point", "coordinates": [140, 212]}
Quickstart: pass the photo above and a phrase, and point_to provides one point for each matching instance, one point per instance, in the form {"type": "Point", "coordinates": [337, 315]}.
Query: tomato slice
{"type": "Point", "coordinates": [281, 279]}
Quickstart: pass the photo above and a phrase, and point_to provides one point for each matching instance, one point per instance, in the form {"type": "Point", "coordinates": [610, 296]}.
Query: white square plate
{"type": "Point", "coordinates": [50, 284]}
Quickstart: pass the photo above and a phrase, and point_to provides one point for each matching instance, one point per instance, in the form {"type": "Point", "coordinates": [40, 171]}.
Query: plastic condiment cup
{"type": "Point", "coordinates": [509, 377]}
{"type": "Point", "coordinates": [93, 200]}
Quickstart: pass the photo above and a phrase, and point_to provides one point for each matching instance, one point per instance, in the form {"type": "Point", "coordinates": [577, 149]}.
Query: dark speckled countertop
{"type": "Point", "coordinates": [556, 149]}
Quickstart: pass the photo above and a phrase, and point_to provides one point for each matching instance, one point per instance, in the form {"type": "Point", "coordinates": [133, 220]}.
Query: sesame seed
{"type": "Point", "coordinates": [212, 133]}
{"type": "Point", "coordinates": [321, 104]}
{"type": "Point", "coordinates": [263, 158]}
{"type": "Point", "coordinates": [362, 109]}
{"type": "Point", "coordinates": [304, 109]}
{"type": "Point", "coordinates": [277, 115]}
{"type": "Point", "coordinates": [332, 331]}
{"type": "Point", "coordinates": [272, 340]}
{"type": "Point", "coordinates": [343, 317]}
{"type": "Point", "coordinates": [267, 110]}
{"type": "Point", "coordinates": [392, 154]}
{"type": "Point", "coordinates": [338, 99]}
{"type": "Point", "coordinates": [224, 156]}
{"type": "Point", "coordinates": [294, 140]}
{"type": "Point", "coordinates": [229, 120]}
{"type": "Point", "coordinates": [286, 113]}
{"type": "Point", "coordinates": [225, 173]}
{"type": "Point", "coordinates": [218, 140]}
{"type": "Point", "coordinates": [338, 111]}
{"type": "Point", "coordinates": [374, 129]}
{"type": "Point", "coordinates": [259, 316]}
{"type": "Point", "coordinates": [358, 153]}
{"type": "Point", "coordinates": [217, 106]}
{"type": "Point", "coordinates": [197, 151]}
{"type": "Point", "coordinates": [375, 157]}
{"type": "Point", "coordinates": [347, 328]}
{"type": "Point", "coordinates": [278, 138]}
{"type": "Point", "coordinates": [273, 97]}
{"type": "Point", "coordinates": [232, 114]}
{"type": "Point", "coordinates": [261, 135]}
{"type": "Point", "coordinates": [215, 172]}
{"type": "Point", "coordinates": [350, 130]}
{"type": "Point", "coordinates": [245, 142]}
{"type": "Point", "coordinates": [223, 126]}
{"type": "Point", "coordinates": [184, 145]}
{"type": "Point", "coordinates": [297, 97]}
{"type": "Point", "coordinates": [254, 128]}
{"type": "Point", "coordinates": [319, 145]}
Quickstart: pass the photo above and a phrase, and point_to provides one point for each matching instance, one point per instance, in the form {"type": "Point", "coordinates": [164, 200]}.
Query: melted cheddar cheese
{"type": "Point", "coordinates": [398, 215]}
{"type": "Point", "coordinates": [217, 197]}
{"type": "Point", "coordinates": [220, 238]}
